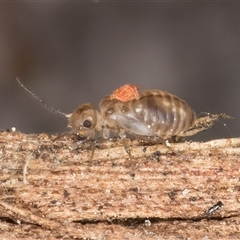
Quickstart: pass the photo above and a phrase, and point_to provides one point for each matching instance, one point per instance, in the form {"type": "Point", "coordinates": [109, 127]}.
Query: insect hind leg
{"type": "Point", "coordinates": [122, 135]}
{"type": "Point", "coordinates": [127, 147]}
{"type": "Point", "coordinates": [155, 140]}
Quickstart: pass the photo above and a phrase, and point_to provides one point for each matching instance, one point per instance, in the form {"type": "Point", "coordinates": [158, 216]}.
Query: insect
{"type": "Point", "coordinates": [126, 93]}
{"type": "Point", "coordinates": [214, 208]}
{"type": "Point", "coordinates": [154, 113]}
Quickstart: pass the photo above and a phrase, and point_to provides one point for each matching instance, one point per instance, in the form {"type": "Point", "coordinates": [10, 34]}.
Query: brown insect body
{"type": "Point", "coordinates": [154, 113]}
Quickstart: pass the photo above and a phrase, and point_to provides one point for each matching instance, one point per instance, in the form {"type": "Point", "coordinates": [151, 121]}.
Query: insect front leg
{"type": "Point", "coordinates": [80, 141]}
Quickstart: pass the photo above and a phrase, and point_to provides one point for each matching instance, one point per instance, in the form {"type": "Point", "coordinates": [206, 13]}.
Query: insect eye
{"type": "Point", "coordinates": [87, 124]}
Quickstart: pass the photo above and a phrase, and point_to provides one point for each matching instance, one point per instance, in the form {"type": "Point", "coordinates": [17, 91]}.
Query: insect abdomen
{"type": "Point", "coordinates": [155, 113]}
{"type": "Point", "coordinates": [165, 114]}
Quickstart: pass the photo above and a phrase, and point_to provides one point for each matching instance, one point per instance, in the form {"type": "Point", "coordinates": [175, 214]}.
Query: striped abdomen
{"type": "Point", "coordinates": [155, 113]}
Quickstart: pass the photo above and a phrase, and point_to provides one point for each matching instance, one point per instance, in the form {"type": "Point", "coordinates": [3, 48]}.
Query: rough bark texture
{"type": "Point", "coordinates": [49, 191]}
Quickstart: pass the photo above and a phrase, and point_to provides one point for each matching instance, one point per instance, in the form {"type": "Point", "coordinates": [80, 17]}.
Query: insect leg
{"type": "Point", "coordinates": [92, 151]}
{"type": "Point", "coordinates": [122, 135]}
{"type": "Point", "coordinates": [79, 144]}
{"type": "Point", "coordinates": [166, 144]}
{"type": "Point", "coordinates": [127, 148]}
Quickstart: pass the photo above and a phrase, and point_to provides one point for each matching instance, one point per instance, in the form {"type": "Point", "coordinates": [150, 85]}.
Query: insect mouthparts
{"type": "Point", "coordinates": [81, 137]}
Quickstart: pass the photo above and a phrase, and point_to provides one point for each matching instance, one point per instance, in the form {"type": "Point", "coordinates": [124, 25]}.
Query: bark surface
{"type": "Point", "coordinates": [49, 191]}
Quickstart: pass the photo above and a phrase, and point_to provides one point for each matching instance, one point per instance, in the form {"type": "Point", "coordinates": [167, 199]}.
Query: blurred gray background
{"type": "Point", "coordinates": [70, 53]}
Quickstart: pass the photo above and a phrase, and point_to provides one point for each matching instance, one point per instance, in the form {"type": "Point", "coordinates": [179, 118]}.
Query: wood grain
{"type": "Point", "coordinates": [50, 191]}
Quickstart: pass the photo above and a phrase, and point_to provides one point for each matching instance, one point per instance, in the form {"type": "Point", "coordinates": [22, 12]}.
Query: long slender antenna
{"type": "Point", "coordinates": [49, 108]}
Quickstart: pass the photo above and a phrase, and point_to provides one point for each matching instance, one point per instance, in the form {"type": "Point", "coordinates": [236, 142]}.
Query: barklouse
{"type": "Point", "coordinates": [154, 114]}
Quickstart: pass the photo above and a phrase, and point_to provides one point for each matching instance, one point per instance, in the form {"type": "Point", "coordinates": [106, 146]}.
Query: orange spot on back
{"type": "Point", "coordinates": [126, 93]}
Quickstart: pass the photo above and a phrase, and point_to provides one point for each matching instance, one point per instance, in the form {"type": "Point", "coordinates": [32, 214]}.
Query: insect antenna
{"type": "Point", "coordinates": [49, 108]}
